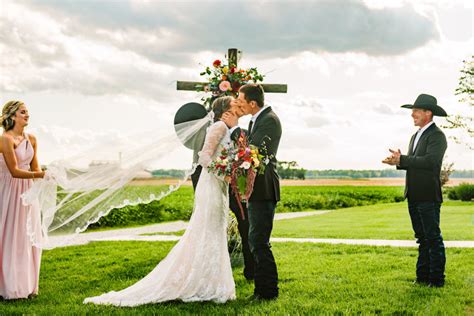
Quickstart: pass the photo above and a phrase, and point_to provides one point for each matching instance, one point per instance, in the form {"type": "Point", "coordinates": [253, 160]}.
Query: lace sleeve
{"type": "Point", "coordinates": [215, 133]}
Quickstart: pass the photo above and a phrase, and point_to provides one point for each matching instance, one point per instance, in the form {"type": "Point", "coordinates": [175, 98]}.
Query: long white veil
{"type": "Point", "coordinates": [76, 193]}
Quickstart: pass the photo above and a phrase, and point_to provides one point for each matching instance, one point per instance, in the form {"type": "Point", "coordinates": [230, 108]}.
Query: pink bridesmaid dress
{"type": "Point", "coordinates": [19, 259]}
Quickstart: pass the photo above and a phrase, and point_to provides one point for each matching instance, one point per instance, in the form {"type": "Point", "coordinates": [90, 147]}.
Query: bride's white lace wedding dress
{"type": "Point", "coordinates": [198, 267]}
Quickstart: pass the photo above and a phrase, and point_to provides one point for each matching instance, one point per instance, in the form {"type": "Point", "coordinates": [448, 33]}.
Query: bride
{"type": "Point", "coordinates": [198, 267]}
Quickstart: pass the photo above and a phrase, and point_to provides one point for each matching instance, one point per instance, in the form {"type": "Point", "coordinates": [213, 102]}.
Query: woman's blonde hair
{"type": "Point", "coordinates": [9, 110]}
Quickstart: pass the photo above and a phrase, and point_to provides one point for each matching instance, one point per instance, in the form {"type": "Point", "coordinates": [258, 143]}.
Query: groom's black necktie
{"type": "Point", "coordinates": [250, 126]}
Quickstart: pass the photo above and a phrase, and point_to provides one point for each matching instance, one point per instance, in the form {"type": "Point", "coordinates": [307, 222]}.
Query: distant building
{"type": "Point", "coordinates": [114, 164]}
{"type": "Point", "coordinates": [96, 163]}
{"type": "Point", "coordinates": [144, 175]}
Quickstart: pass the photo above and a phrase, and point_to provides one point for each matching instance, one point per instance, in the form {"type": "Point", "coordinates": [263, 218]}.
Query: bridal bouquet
{"type": "Point", "coordinates": [225, 79]}
{"type": "Point", "coordinates": [248, 162]}
{"type": "Point", "coordinates": [222, 164]}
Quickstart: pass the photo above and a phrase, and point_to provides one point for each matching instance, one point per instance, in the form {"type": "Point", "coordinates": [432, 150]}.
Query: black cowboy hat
{"type": "Point", "coordinates": [191, 112]}
{"type": "Point", "coordinates": [427, 102]}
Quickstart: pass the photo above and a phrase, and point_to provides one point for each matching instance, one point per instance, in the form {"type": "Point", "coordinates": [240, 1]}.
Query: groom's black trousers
{"type": "Point", "coordinates": [243, 226]}
{"type": "Point", "coordinates": [261, 215]}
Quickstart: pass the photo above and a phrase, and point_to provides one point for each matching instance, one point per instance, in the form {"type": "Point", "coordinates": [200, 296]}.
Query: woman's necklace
{"type": "Point", "coordinates": [18, 138]}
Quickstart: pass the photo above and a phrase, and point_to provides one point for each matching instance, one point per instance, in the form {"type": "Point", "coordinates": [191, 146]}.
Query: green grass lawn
{"type": "Point", "coordinates": [381, 221]}
{"type": "Point", "coordinates": [314, 279]}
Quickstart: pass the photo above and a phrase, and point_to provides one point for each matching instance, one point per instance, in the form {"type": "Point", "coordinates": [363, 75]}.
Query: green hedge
{"type": "Point", "coordinates": [179, 205]}
{"type": "Point", "coordinates": [298, 198]}
{"type": "Point", "coordinates": [463, 192]}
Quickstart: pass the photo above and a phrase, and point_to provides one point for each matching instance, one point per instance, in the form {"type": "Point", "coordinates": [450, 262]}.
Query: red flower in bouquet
{"type": "Point", "coordinates": [222, 164]}
{"type": "Point", "coordinates": [248, 162]}
{"type": "Point", "coordinates": [216, 63]}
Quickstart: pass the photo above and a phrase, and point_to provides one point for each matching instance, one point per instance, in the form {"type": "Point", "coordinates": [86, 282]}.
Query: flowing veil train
{"type": "Point", "coordinates": [198, 267]}
{"type": "Point", "coordinates": [75, 194]}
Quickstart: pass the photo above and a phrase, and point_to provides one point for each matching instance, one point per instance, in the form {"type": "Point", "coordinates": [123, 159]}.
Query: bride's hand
{"type": "Point", "coordinates": [227, 179]}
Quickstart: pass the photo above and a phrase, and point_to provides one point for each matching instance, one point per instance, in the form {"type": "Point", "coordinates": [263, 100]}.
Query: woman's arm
{"type": "Point", "coordinates": [214, 135]}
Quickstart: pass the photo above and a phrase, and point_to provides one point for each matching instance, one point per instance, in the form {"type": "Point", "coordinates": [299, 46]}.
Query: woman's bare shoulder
{"type": "Point", "coordinates": [32, 138]}
{"type": "Point", "coordinates": [6, 138]}
{"type": "Point", "coordinates": [5, 141]}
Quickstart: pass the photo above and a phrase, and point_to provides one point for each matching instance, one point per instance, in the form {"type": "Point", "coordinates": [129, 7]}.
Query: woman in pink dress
{"type": "Point", "coordinates": [19, 258]}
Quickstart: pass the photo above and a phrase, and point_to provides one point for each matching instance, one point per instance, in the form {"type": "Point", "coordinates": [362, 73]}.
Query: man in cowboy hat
{"type": "Point", "coordinates": [423, 188]}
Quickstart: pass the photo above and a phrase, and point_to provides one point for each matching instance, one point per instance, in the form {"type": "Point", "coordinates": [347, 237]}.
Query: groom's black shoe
{"type": "Point", "coordinates": [253, 297]}
{"type": "Point", "coordinates": [258, 297]}
{"type": "Point", "coordinates": [419, 281]}
{"type": "Point", "coordinates": [437, 283]}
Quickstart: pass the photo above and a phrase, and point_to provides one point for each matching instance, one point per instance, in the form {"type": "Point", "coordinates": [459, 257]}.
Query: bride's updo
{"type": "Point", "coordinates": [8, 111]}
{"type": "Point", "coordinates": [220, 106]}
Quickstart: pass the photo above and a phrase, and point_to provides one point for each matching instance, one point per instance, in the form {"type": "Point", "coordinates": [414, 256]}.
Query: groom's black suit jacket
{"type": "Point", "coordinates": [423, 166]}
{"type": "Point", "coordinates": [265, 134]}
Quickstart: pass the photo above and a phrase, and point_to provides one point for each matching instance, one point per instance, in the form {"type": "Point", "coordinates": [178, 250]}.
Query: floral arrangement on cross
{"type": "Point", "coordinates": [223, 79]}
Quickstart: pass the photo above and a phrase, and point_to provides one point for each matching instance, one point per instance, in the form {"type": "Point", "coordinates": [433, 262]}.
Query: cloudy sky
{"type": "Point", "coordinates": [91, 71]}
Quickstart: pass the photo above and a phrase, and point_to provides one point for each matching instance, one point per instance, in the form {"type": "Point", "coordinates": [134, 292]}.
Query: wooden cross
{"type": "Point", "coordinates": [232, 56]}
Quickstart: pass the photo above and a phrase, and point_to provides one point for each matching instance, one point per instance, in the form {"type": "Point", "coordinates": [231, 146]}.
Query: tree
{"type": "Point", "coordinates": [446, 171]}
{"type": "Point", "coordinates": [465, 91]}
{"type": "Point", "coordinates": [288, 170]}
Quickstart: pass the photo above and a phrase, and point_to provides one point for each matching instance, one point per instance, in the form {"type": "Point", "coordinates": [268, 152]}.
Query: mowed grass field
{"type": "Point", "coordinates": [380, 221]}
{"type": "Point", "coordinates": [314, 279]}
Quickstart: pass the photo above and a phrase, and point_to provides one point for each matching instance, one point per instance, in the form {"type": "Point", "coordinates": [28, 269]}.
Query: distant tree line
{"type": "Point", "coordinates": [355, 174]}
{"type": "Point", "coordinates": [462, 174]}
{"type": "Point", "coordinates": [168, 173]}
{"type": "Point", "coordinates": [387, 173]}
{"type": "Point", "coordinates": [290, 170]}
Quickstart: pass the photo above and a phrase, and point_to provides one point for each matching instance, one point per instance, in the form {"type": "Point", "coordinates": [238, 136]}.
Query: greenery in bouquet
{"type": "Point", "coordinates": [223, 79]}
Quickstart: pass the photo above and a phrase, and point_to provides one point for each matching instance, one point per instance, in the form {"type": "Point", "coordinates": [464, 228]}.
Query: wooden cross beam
{"type": "Point", "coordinates": [232, 56]}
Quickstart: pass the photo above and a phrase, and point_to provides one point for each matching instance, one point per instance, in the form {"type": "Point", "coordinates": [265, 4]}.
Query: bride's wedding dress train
{"type": "Point", "coordinates": [198, 267]}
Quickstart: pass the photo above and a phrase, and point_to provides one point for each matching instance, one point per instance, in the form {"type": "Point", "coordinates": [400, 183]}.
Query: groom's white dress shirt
{"type": "Point", "coordinates": [253, 119]}
{"type": "Point", "coordinates": [419, 133]}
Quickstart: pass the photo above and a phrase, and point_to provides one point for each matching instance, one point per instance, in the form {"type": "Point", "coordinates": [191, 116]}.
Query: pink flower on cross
{"type": "Point", "coordinates": [225, 86]}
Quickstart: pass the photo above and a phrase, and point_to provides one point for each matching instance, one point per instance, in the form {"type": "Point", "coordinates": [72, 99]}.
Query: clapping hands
{"type": "Point", "coordinates": [394, 159]}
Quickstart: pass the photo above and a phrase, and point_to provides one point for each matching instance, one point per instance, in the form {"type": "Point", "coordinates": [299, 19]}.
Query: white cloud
{"type": "Point", "coordinates": [40, 57]}
{"type": "Point", "coordinates": [92, 70]}
{"type": "Point", "coordinates": [386, 110]}
{"type": "Point", "coordinates": [287, 27]}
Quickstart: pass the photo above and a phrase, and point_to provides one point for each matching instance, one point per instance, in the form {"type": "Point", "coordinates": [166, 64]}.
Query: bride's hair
{"type": "Point", "coordinates": [220, 106]}
{"type": "Point", "coordinates": [9, 110]}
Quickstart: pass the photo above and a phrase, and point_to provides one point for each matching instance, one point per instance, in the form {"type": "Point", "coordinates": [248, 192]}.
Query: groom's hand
{"type": "Point", "coordinates": [230, 119]}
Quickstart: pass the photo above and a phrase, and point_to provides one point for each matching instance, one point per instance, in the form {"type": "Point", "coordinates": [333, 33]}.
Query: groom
{"type": "Point", "coordinates": [264, 132]}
